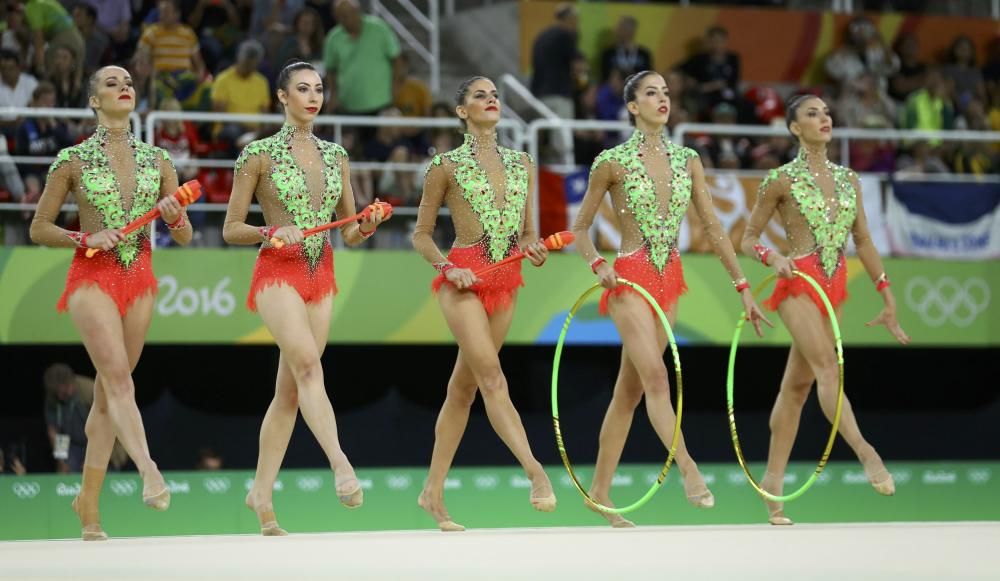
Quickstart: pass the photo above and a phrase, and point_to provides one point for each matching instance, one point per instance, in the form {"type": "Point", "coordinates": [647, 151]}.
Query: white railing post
{"type": "Point", "coordinates": [435, 31]}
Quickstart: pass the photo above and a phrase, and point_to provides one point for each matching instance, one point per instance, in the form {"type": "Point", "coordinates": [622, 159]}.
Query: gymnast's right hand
{"type": "Point", "coordinates": [462, 278]}
{"type": "Point", "coordinates": [607, 276]}
{"type": "Point", "coordinates": [105, 239]}
{"type": "Point", "coordinates": [289, 234]}
{"type": "Point", "coordinates": [783, 266]}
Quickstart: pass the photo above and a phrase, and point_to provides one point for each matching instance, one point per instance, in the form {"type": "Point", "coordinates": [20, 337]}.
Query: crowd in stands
{"type": "Point", "coordinates": [223, 56]}
{"type": "Point", "coordinates": [869, 85]}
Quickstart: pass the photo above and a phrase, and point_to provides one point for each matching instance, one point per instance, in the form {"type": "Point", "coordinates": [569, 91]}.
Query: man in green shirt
{"type": "Point", "coordinates": [49, 22]}
{"type": "Point", "coordinates": [359, 55]}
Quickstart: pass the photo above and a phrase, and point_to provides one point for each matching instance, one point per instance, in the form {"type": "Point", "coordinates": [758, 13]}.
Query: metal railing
{"type": "Point", "coordinates": [431, 25]}
{"type": "Point", "coordinates": [82, 114]}
{"type": "Point", "coordinates": [843, 134]}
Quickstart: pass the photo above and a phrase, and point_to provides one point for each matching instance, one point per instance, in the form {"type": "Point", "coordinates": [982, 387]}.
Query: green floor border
{"type": "Point", "coordinates": [38, 506]}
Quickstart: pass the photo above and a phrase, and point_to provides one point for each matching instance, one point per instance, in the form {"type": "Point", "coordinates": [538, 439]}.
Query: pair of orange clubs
{"type": "Point", "coordinates": [384, 207]}
{"type": "Point", "coordinates": [555, 241]}
{"type": "Point", "coordinates": [186, 195]}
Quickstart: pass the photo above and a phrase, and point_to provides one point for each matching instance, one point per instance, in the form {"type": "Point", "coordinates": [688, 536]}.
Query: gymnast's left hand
{"type": "Point", "coordinates": [888, 318]}
{"type": "Point", "coordinates": [536, 253]}
{"type": "Point", "coordinates": [753, 312]}
{"type": "Point", "coordinates": [170, 209]}
{"type": "Point", "coordinates": [376, 215]}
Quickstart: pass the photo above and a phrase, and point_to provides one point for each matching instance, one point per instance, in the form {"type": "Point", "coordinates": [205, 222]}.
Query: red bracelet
{"type": "Point", "coordinates": [443, 267]}
{"type": "Point", "coordinates": [762, 252]}
{"type": "Point", "coordinates": [178, 223]}
{"type": "Point", "coordinates": [882, 282]}
{"type": "Point", "coordinates": [82, 242]}
{"type": "Point", "coordinates": [597, 262]}
{"type": "Point", "coordinates": [266, 232]}
{"type": "Point", "coordinates": [741, 285]}
{"type": "Point", "coordinates": [366, 235]}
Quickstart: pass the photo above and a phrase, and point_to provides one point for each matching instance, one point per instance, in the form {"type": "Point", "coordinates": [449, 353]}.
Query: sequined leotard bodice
{"type": "Point", "coordinates": [487, 189]}
{"type": "Point", "coordinates": [114, 179]}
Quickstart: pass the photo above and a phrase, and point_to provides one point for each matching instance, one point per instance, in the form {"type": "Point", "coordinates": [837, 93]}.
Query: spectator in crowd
{"type": "Point", "coordinates": [16, 86]}
{"type": "Point", "coordinates": [863, 50]}
{"type": "Point", "coordinates": [182, 142]}
{"type": "Point", "coordinates": [16, 36]}
{"type": "Point", "coordinates": [12, 459]}
{"type": "Point", "coordinates": [359, 54]}
{"type": "Point", "coordinates": [68, 81]}
{"type": "Point", "coordinates": [97, 43]}
{"type": "Point", "coordinates": [964, 77]}
{"type": "Point", "coordinates": [683, 103]}
{"type": "Point", "coordinates": [411, 95]}
{"type": "Point", "coordinates": [922, 159]}
{"type": "Point", "coordinates": [10, 182]}
{"type": "Point", "coordinates": [241, 89]}
{"type": "Point", "coordinates": [209, 459]}
{"type": "Point", "coordinates": [306, 42]}
{"type": "Point", "coordinates": [175, 52]}
{"type": "Point", "coordinates": [390, 145]}
{"type": "Point", "coordinates": [141, 68]}
{"type": "Point", "coordinates": [866, 105]}
{"type": "Point", "coordinates": [587, 145]}
{"type": "Point", "coordinates": [68, 398]}
{"type": "Point", "coordinates": [270, 19]}
{"type": "Point", "coordinates": [912, 72]}
{"type": "Point", "coordinates": [610, 104]}
{"type": "Point", "coordinates": [114, 17]}
{"type": "Point", "coordinates": [626, 55]}
{"type": "Point", "coordinates": [975, 157]}
{"type": "Point", "coordinates": [220, 27]}
{"type": "Point", "coordinates": [930, 108]}
{"type": "Point", "coordinates": [553, 58]}
{"type": "Point", "coordinates": [991, 70]}
{"type": "Point", "coordinates": [40, 136]}
{"type": "Point", "coordinates": [52, 27]}
{"type": "Point", "coordinates": [715, 70]}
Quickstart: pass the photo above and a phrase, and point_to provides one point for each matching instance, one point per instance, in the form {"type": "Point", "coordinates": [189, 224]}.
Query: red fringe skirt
{"type": "Point", "coordinates": [665, 287]}
{"type": "Point", "coordinates": [123, 285]}
{"type": "Point", "coordinates": [835, 287]}
{"type": "Point", "coordinates": [495, 290]}
{"type": "Point", "coordinates": [289, 266]}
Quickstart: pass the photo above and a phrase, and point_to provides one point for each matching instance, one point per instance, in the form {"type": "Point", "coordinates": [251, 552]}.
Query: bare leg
{"type": "Point", "coordinates": [473, 331]}
{"type": "Point", "coordinates": [615, 428]}
{"type": "Point", "coordinates": [451, 423]}
{"type": "Point", "coordinates": [100, 430]}
{"type": "Point", "coordinates": [637, 328]}
{"type": "Point", "coordinates": [813, 342]}
{"type": "Point", "coordinates": [279, 422]}
{"type": "Point", "coordinates": [102, 330]}
{"type": "Point", "coordinates": [286, 316]}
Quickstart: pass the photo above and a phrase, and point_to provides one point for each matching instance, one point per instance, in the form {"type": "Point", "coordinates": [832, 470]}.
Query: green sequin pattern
{"type": "Point", "coordinates": [830, 232]}
{"type": "Point", "coordinates": [660, 227]}
{"type": "Point", "coordinates": [499, 224]}
{"type": "Point", "coordinates": [102, 190]}
{"type": "Point", "coordinates": [290, 182]}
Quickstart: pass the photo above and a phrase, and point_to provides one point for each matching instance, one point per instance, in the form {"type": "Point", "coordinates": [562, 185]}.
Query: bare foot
{"type": "Point", "coordinates": [348, 486]}
{"type": "Point", "coordinates": [433, 504]}
{"type": "Point", "coordinates": [614, 519]}
{"type": "Point", "coordinates": [697, 492]}
{"type": "Point", "coordinates": [542, 498]}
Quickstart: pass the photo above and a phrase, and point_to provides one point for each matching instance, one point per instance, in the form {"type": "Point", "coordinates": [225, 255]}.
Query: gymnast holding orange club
{"type": "Point", "coordinates": [299, 181]}
{"type": "Point", "coordinates": [487, 188]}
{"type": "Point", "coordinates": [651, 182]}
{"type": "Point", "coordinates": [115, 179]}
{"type": "Point", "coordinates": [819, 204]}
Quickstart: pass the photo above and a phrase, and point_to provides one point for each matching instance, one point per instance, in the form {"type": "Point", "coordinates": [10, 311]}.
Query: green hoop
{"type": "Point", "coordinates": [840, 395]}
{"type": "Point", "coordinates": [555, 402]}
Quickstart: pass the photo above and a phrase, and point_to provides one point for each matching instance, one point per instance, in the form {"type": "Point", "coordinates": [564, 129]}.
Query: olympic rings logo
{"type": "Point", "coordinates": [123, 487]}
{"type": "Point", "coordinates": [216, 485]}
{"type": "Point", "coordinates": [26, 490]}
{"type": "Point", "coordinates": [948, 300]}
{"type": "Point", "coordinates": [399, 482]}
{"type": "Point", "coordinates": [309, 483]}
{"type": "Point", "coordinates": [980, 475]}
{"type": "Point", "coordinates": [487, 481]}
